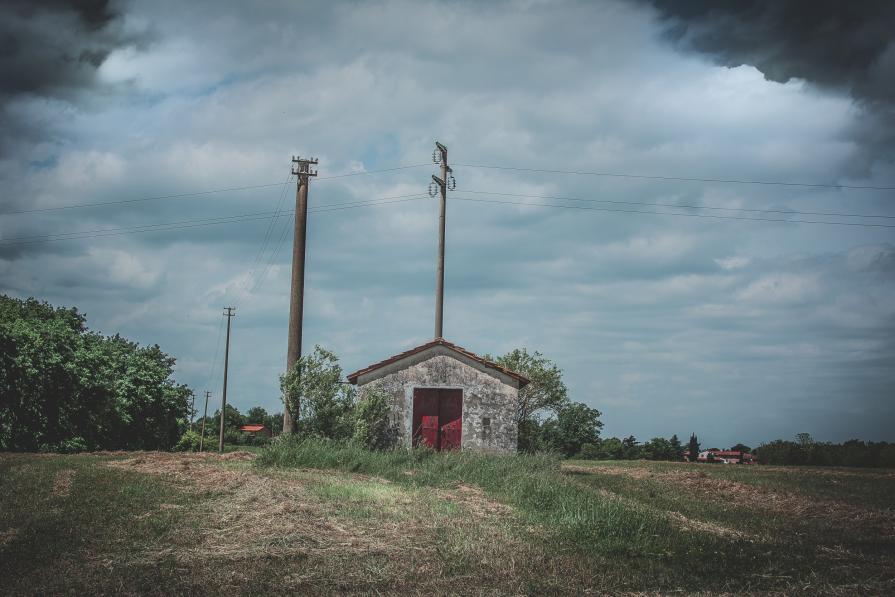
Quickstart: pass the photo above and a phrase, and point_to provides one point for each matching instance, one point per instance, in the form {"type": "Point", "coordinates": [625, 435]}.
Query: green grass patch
{"type": "Point", "coordinates": [58, 512]}
{"type": "Point", "coordinates": [577, 519]}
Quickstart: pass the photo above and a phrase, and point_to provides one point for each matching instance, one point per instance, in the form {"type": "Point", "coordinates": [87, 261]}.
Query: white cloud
{"type": "Point", "coordinates": [653, 317]}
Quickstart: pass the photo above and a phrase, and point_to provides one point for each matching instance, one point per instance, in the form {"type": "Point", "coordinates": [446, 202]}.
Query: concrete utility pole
{"type": "Point", "coordinates": [192, 408]}
{"type": "Point", "coordinates": [229, 313]}
{"type": "Point", "coordinates": [204, 416]}
{"type": "Point", "coordinates": [444, 184]}
{"type": "Point", "coordinates": [302, 170]}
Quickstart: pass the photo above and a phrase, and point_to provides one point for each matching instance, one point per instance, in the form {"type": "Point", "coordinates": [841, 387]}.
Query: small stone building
{"type": "Point", "coordinates": [447, 397]}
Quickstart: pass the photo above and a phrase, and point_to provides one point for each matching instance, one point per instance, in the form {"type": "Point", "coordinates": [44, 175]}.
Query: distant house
{"type": "Point", "coordinates": [255, 430]}
{"type": "Point", "coordinates": [447, 397]}
{"type": "Point", "coordinates": [724, 457]}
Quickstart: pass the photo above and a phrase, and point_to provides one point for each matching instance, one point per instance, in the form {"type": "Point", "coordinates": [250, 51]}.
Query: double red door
{"type": "Point", "coordinates": [437, 418]}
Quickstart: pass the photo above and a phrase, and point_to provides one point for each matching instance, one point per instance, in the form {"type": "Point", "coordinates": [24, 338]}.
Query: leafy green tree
{"type": "Point", "coordinates": [589, 451]}
{"type": "Point", "coordinates": [546, 392]}
{"type": "Point", "coordinates": [631, 449]}
{"type": "Point", "coordinates": [611, 448]}
{"type": "Point", "coordinates": [313, 389]}
{"type": "Point", "coordinates": [693, 448]}
{"type": "Point", "coordinates": [233, 419]}
{"type": "Point", "coordinates": [741, 448]}
{"type": "Point", "coordinates": [257, 415]}
{"type": "Point", "coordinates": [275, 423]}
{"type": "Point", "coordinates": [530, 436]}
{"type": "Point", "coordinates": [676, 447]}
{"type": "Point", "coordinates": [575, 424]}
{"type": "Point", "coordinates": [780, 452]}
{"type": "Point", "coordinates": [660, 448]}
{"type": "Point", "coordinates": [65, 388]}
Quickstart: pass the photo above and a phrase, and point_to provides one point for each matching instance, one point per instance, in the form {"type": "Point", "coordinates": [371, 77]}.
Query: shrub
{"type": "Point", "coordinates": [589, 451]}
{"type": "Point", "coordinates": [372, 427]}
{"type": "Point", "coordinates": [312, 388]}
{"type": "Point", "coordinates": [68, 446]}
{"type": "Point", "coordinates": [189, 442]}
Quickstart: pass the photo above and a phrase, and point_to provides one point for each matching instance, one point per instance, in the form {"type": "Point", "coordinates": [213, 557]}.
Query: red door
{"type": "Point", "coordinates": [429, 432]}
{"type": "Point", "coordinates": [437, 418]}
{"type": "Point", "coordinates": [450, 412]}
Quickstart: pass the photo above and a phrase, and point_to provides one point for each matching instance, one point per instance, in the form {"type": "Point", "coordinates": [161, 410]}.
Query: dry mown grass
{"type": "Point", "coordinates": [322, 518]}
{"type": "Point", "coordinates": [62, 482]}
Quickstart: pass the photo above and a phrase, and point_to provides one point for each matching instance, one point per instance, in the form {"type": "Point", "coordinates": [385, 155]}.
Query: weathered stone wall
{"type": "Point", "coordinates": [485, 396]}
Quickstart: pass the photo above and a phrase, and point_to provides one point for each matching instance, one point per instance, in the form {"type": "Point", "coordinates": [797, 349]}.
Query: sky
{"type": "Point", "coordinates": [673, 306]}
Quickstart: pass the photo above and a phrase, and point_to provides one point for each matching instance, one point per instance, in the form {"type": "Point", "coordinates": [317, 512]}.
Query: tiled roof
{"type": "Point", "coordinates": [523, 381]}
{"type": "Point", "coordinates": [251, 428]}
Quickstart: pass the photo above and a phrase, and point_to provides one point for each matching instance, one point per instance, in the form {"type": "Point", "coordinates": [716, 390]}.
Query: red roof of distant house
{"type": "Point", "coordinates": [251, 428]}
{"type": "Point", "coordinates": [523, 381]}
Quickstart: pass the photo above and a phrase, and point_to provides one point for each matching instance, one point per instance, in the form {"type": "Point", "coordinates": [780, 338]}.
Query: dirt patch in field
{"type": "Point", "coordinates": [634, 473]}
{"type": "Point", "coordinates": [62, 482]}
{"type": "Point", "coordinates": [689, 524]}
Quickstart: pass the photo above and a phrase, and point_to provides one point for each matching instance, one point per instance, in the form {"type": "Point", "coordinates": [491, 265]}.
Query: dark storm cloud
{"type": "Point", "coordinates": [839, 46]}
{"type": "Point", "coordinates": [51, 49]}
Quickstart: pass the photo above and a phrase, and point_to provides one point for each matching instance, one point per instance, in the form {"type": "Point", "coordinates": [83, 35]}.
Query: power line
{"type": "Point", "coordinates": [679, 205]}
{"type": "Point", "coordinates": [682, 178]}
{"type": "Point", "coordinates": [141, 199]}
{"type": "Point", "coordinates": [273, 256]}
{"type": "Point", "coordinates": [201, 222]}
{"type": "Point", "coordinates": [659, 213]}
{"type": "Point", "coordinates": [196, 193]}
{"type": "Point", "coordinates": [333, 207]}
{"type": "Point", "coordinates": [144, 227]}
{"type": "Point", "coordinates": [264, 243]}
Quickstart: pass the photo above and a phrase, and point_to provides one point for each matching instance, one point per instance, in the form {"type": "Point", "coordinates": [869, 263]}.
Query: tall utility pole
{"type": "Point", "coordinates": [192, 408]}
{"type": "Point", "coordinates": [204, 416]}
{"type": "Point", "coordinates": [445, 183]}
{"type": "Point", "coordinates": [229, 313]}
{"type": "Point", "coordinates": [302, 170]}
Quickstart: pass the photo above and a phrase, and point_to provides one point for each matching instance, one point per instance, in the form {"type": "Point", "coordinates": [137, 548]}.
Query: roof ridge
{"type": "Point", "coordinates": [352, 377]}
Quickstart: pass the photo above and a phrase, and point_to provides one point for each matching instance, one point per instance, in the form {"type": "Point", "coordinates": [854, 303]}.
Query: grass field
{"type": "Point", "coordinates": [317, 518]}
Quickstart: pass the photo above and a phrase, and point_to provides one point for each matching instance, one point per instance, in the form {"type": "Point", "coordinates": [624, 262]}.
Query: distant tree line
{"type": "Point", "coordinates": [64, 388]}
{"type": "Point", "coordinates": [806, 451]}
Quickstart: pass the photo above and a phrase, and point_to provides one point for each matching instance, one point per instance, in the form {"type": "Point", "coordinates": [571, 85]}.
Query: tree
{"type": "Point", "coordinates": [275, 423]}
{"type": "Point", "coordinates": [257, 415]}
{"type": "Point", "coordinates": [660, 448]}
{"type": "Point", "coordinates": [64, 388]}
{"type": "Point", "coordinates": [610, 448]}
{"type": "Point", "coordinates": [546, 390]}
{"type": "Point", "coordinates": [676, 447]}
{"type": "Point", "coordinates": [312, 388]}
{"type": "Point", "coordinates": [740, 448]}
{"type": "Point", "coordinates": [233, 420]}
{"type": "Point", "coordinates": [630, 449]}
{"type": "Point", "coordinates": [545, 393]}
{"type": "Point", "coordinates": [693, 448]}
{"type": "Point", "coordinates": [575, 424]}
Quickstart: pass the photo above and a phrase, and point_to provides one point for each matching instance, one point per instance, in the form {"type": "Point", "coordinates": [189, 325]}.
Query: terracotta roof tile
{"type": "Point", "coordinates": [352, 377]}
